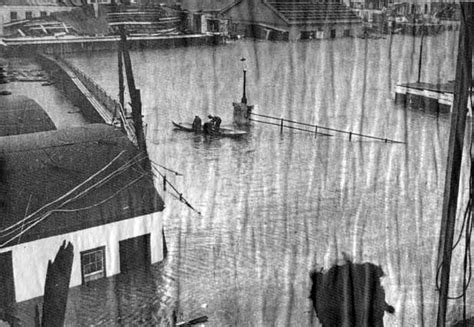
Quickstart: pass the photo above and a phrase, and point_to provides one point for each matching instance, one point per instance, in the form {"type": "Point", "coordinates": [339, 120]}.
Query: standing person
{"type": "Point", "coordinates": [197, 124]}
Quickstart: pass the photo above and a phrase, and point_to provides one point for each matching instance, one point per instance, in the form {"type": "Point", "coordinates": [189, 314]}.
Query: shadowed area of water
{"type": "Point", "coordinates": [275, 206]}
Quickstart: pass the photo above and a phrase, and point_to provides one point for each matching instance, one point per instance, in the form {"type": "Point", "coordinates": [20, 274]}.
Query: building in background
{"type": "Point", "coordinates": [284, 20]}
{"type": "Point", "coordinates": [17, 12]}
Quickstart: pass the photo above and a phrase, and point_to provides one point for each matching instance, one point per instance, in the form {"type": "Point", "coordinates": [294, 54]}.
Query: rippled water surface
{"type": "Point", "coordinates": [274, 206]}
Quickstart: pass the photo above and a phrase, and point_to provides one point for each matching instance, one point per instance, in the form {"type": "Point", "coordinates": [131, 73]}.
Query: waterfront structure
{"type": "Point", "coordinates": [433, 98]}
{"type": "Point", "coordinates": [14, 12]}
{"type": "Point", "coordinates": [83, 185]}
{"type": "Point", "coordinates": [285, 20]}
{"type": "Point", "coordinates": [146, 19]}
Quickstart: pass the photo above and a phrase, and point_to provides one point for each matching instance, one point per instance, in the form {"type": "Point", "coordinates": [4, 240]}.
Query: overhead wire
{"type": "Point", "coordinates": [178, 195]}
{"type": "Point", "coordinates": [97, 184]}
{"type": "Point", "coordinates": [64, 195]}
{"type": "Point", "coordinates": [31, 221]}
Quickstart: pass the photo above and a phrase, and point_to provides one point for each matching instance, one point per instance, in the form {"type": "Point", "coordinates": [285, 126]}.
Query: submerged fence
{"type": "Point", "coordinates": [316, 128]}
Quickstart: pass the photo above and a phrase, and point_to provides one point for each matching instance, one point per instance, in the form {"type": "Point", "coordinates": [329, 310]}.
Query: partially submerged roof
{"type": "Point", "coordinates": [22, 115]}
{"type": "Point", "coordinates": [288, 12]}
{"type": "Point", "coordinates": [68, 180]}
{"type": "Point", "coordinates": [310, 12]}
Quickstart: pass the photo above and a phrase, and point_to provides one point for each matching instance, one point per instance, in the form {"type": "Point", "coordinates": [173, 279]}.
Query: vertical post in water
{"type": "Point", "coordinates": [244, 68]}
{"type": "Point", "coordinates": [456, 143]}
{"type": "Point", "coordinates": [164, 182]}
{"type": "Point", "coordinates": [316, 131]}
{"type": "Point", "coordinates": [135, 97]}
{"type": "Point", "coordinates": [120, 79]}
{"type": "Point", "coordinates": [420, 60]}
{"type": "Point", "coordinates": [281, 125]}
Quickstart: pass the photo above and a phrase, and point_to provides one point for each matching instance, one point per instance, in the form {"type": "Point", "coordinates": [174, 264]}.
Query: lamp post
{"type": "Point", "coordinates": [244, 68]}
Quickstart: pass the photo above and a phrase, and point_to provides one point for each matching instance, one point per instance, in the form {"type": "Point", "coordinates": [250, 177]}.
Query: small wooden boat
{"type": "Point", "coordinates": [223, 132]}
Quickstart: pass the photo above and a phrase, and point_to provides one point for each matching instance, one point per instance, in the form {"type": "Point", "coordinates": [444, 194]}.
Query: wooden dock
{"type": "Point", "coordinates": [429, 97]}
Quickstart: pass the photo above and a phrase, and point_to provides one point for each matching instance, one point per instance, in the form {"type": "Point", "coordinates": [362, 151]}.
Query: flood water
{"type": "Point", "coordinates": [276, 205]}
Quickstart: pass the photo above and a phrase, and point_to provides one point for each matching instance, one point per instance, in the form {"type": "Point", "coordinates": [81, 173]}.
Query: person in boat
{"type": "Point", "coordinates": [197, 124]}
{"type": "Point", "coordinates": [216, 122]}
{"type": "Point", "coordinates": [207, 128]}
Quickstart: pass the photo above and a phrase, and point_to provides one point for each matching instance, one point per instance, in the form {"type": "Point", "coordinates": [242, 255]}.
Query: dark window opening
{"type": "Point", "coordinates": [28, 15]}
{"type": "Point", "coordinates": [308, 35]}
{"type": "Point", "coordinates": [135, 253]}
{"type": "Point", "coordinates": [43, 14]}
{"type": "Point", "coordinates": [333, 34]}
{"type": "Point", "coordinates": [13, 15]}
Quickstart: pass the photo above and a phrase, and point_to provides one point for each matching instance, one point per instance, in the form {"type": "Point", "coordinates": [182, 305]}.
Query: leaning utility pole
{"type": "Point", "coordinates": [456, 143]}
{"type": "Point", "coordinates": [134, 93]}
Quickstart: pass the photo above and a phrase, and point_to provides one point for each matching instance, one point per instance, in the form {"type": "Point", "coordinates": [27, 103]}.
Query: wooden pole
{"type": "Point", "coordinates": [134, 95]}
{"type": "Point", "coordinates": [420, 60]}
{"type": "Point", "coordinates": [456, 143]}
{"type": "Point", "coordinates": [120, 71]}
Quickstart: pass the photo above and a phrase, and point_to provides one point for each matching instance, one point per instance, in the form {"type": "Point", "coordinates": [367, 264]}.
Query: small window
{"type": "Point", "coordinates": [13, 15]}
{"type": "Point", "coordinates": [28, 15]}
{"type": "Point", "coordinates": [43, 14]}
{"type": "Point", "coordinates": [93, 264]}
{"type": "Point", "coordinates": [347, 33]}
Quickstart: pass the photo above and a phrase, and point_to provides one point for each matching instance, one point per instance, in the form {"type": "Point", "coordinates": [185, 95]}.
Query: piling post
{"type": "Point", "coordinates": [281, 125]}
{"type": "Point", "coordinates": [315, 131]}
{"type": "Point", "coordinates": [164, 182]}
{"type": "Point", "coordinates": [350, 136]}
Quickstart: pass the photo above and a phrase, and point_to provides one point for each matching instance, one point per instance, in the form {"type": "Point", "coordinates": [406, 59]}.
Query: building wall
{"type": "Point", "coordinates": [30, 260]}
{"type": "Point", "coordinates": [5, 11]}
{"type": "Point", "coordinates": [327, 31]}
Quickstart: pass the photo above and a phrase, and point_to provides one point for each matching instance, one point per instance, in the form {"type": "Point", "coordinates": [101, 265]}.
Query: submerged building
{"type": "Point", "coordinates": [293, 20]}
{"type": "Point", "coordinates": [84, 185]}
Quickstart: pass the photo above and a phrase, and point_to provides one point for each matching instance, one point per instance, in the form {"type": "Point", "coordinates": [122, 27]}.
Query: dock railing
{"type": "Point", "coordinates": [99, 93]}
{"type": "Point", "coordinates": [109, 103]}
{"type": "Point", "coordinates": [316, 129]}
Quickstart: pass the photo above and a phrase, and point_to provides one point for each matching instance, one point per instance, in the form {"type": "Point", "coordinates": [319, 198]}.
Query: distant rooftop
{"type": "Point", "coordinates": [41, 176]}
{"type": "Point", "coordinates": [205, 5]}
{"type": "Point", "coordinates": [22, 115]}
{"type": "Point", "coordinates": [306, 11]}
{"type": "Point", "coordinates": [30, 3]}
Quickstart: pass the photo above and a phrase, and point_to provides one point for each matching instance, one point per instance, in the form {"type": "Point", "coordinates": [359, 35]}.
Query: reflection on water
{"type": "Point", "coordinates": [274, 206]}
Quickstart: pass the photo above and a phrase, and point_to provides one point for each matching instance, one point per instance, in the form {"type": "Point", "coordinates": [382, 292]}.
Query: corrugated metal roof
{"type": "Point", "coordinates": [40, 168]}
